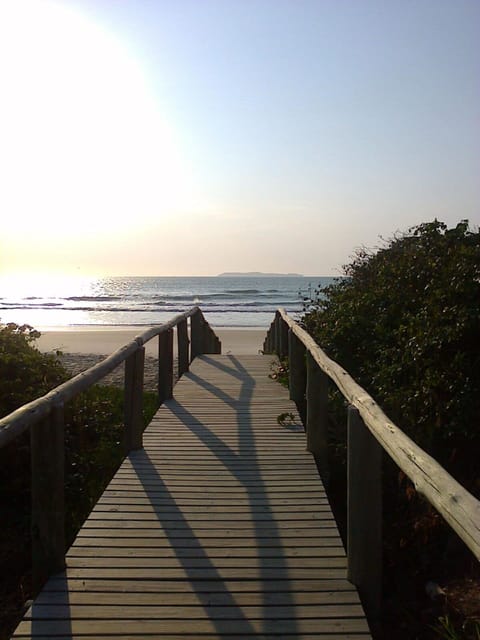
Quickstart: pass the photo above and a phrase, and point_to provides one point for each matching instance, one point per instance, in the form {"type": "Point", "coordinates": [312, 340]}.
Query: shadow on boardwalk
{"type": "Point", "coordinates": [255, 492]}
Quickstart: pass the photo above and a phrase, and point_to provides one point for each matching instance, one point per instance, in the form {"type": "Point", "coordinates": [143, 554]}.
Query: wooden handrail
{"type": "Point", "coordinates": [44, 418]}
{"type": "Point", "coordinates": [458, 507]}
{"type": "Point", "coordinates": [18, 421]}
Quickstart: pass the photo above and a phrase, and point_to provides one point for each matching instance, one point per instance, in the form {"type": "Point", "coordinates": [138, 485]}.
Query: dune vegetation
{"type": "Point", "coordinates": [405, 323]}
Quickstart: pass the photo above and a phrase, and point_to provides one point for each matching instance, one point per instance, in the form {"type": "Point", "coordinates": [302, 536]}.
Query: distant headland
{"type": "Point", "coordinates": [257, 274]}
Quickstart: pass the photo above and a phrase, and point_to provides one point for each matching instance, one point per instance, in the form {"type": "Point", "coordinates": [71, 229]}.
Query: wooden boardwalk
{"type": "Point", "coordinates": [218, 528]}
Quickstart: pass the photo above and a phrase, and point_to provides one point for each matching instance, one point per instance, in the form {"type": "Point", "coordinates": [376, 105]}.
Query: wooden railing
{"type": "Point", "coordinates": [44, 418]}
{"type": "Point", "coordinates": [369, 431]}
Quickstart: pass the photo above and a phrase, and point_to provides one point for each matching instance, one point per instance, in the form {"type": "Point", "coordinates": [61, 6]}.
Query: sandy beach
{"type": "Point", "coordinates": [82, 348]}
{"type": "Point", "coordinates": [103, 341]}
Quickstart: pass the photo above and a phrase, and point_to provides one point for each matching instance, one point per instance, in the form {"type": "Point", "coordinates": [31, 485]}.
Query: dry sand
{"type": "Point", "coordinates": [82, 348]}
{"type": "Point", "coordinates": [104, 341]}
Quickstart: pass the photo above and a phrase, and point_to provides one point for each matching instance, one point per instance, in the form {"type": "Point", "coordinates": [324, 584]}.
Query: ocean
{"type": "Point", "coordinates": [143, 301]}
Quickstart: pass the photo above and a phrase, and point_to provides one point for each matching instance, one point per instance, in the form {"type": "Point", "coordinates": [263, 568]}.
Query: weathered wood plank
{"type": "Point", "coordinates": [151, 551]}
{"type": "Point", "coordinates": [205, 636]}
{"type": "Point", "coordinates": [212, 573]}
{"type": "Point", "coordinates": [216, 545]}
{"type": "Point", "coordinates": [278, 562]}
{"type": "Point", "coordinates": [199, 612]}
{"type": "Point", "coordinates": [142, 505]}
{"type": "Point", "coordinates": [63, 584]}
{"type": "Point", "coordinates": [257, 598]}
{"type": "Point", "coordinates": [241, 627]}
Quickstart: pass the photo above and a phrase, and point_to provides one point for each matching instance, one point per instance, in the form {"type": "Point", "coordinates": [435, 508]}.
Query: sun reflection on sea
{"type": "Point", "coordinates": [29, 286]}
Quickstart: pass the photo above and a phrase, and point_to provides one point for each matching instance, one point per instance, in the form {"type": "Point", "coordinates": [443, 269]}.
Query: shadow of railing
{"type": "Point", "coordinates": [142, 463]}
{"type": "Point", "coordinates": [50, 612]}
{"type": "Point", "coordinates": [245, 469]}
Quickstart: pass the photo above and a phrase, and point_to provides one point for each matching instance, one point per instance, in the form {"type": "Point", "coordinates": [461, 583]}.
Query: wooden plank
{"type": "Point", "coordinates": [203, 529]}
{"type": "Point", "coordinates": [64, 584]}
{"type": "Point", "coordinates": [279, 562]}
{"type": "Point", "coordinates": [210, 573]}
{"type": "Point", "coordinates": [285, 498]}
{"type": "Point", "coordinates": [242, 627]}
{"type": "Point", "coordinates": [207, 611]}
{"type": "Point", "coordinates": [278, 598]}
{"type": "Point", "coordinates": [215, 546]}
{"type": "Point", "coordinates": [151, 551]}
{"type": "Point", "coordinates": [205, 636]}
{"type": "Point", "coordinates": [328, 529]}
{"type": "Point", "coordinates": [144, 505]}
{"type": "Point", "coordinates": [214, 518]}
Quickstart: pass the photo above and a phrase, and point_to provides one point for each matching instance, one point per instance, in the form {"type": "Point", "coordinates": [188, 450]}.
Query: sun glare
{"type": "Point", "coordinates": [84, 147]}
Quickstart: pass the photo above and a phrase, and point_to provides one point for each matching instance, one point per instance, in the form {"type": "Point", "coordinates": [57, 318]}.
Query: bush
{"type": "Point", "coordinates": [405, 323]}
{"type": "Point", "coordinates": [25, 372]}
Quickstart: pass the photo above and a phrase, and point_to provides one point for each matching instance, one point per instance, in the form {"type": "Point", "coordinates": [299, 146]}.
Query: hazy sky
{"type": "Point", "coordinates": [155, 137]}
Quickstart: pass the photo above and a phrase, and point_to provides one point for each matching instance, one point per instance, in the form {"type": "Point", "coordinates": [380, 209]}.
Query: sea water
{"type": "Point", "coordinates": [226, 301]}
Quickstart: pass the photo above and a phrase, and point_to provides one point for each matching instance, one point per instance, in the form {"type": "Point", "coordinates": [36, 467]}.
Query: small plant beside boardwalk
{"type": "Point", "coordinates": [405, 323]}
{"type": "Point", "coordinates": [93, 451]}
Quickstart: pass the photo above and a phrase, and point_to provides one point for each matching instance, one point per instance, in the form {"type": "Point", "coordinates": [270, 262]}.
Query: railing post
{"type": "Point", "coordinates": [267, 345]}
{"type": "Point", "coordinates": [297, 372]}
{"type": "Point", "coordinates": [196, 329]}
{"type": "Point", "coordinates": [276, 334]}
{"type": "Point", "coordinates": [183, 344]}
{"type": "Point", "coordinates": [283, 337]}
{"type": "Point", "coordinates": [47, 446]}
{"type": "Point", "coordinates": [271, 337]}
{"type": "Point", "coordinates": [364, 514]}
{"type": "Point", "coordinates": [209, 339]}
{"type": "Point", "coordinates": [134, 368]}
{"type": "Point", "coordinates": [165, 365]}
{"type": "Point", "coordinates": [317, 415]}
{"type": "Point", "coordinates": [214, 343]}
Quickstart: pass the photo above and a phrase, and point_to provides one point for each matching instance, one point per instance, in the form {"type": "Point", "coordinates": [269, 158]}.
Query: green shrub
{"type": "Point", "coordinates": [405, 323]}
{"type": "Point", "coordinates": [25, 372]}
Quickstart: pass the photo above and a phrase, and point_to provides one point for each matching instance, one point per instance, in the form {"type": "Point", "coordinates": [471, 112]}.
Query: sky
{"type": "Point", "coordinates": [192, 137]}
